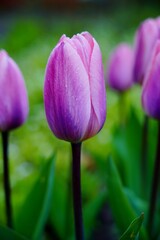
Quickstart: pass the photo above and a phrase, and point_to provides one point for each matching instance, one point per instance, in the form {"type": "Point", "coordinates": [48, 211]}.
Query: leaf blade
{"type": "Point", "coordinates": [133, 229]}
{"type": "Point", "coordinates": [9, 234]}
{"type": "Point", "coordinates": [37, 203]}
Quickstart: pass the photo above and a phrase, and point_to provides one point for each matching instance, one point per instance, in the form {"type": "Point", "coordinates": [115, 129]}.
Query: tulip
{"type": "Point", "coordinates": [13, 113]}
{"type": "Point", "coordinates": [74, 90]}
{"type": "Point", "coordinates": [120, 68]}
{"type": "Point", "coordinates": [151, 105]}
{"type": "Point", "coordinates": [13, 94]}
{"type": "Point", "coordinates": [75, 101]}
{"type": "Point", "coordinates": [151, 86]}
{"type": "Point", "coordinates": [146, 37]}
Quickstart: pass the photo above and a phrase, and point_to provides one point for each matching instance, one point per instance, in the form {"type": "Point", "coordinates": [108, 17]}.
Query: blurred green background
{"type": "Point", "coordinates": [28, 32]}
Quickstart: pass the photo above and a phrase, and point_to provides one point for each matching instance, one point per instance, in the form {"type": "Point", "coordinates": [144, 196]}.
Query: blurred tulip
{"type": "Point", "coordinates": [74, 90]}
{"type": "Point", "coordinates": [147, 35]}
{"type": "Point", "coordinates": [151, 86]}
{"type": "Point", "coordinates": [120, 68]}
{"type": "Point", "coordinates": [13, 94]}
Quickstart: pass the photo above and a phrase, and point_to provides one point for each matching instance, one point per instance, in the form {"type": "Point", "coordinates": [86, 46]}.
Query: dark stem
{"type": "Point", "coordinates": [154, 187]}
{"type": "Point", "coordinates": [76, 184]}
{"type": "Point", "coordinates": [144, 151]}
{"type": "Point", "coordinates": [7, 189]}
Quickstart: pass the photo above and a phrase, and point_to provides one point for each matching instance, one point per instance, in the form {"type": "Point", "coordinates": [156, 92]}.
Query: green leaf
{"type": "Point", "coordinates": [61, 211]}
{"type": "Point", "coordinates": [127, 149]}
{"type": "Point", "coordinates": [91, 211]}
{"type": "Point", "coordinates": [133, 229]}
{"type": "Point", "coordinates": [8, 234]}
{"type": "Point", "coordinates": [122, 210]}
{"type": "Point", "coordinates": [34, 212]}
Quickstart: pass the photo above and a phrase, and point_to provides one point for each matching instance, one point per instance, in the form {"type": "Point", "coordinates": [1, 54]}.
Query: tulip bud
{"type": "Point", "coordinates": [151, 86]}
{"type": "Point", "coordinates": [146, 37]}
{"type": "Point", "coordinates": [120, 68]}
{"type": "Point", "coordinates": [74, 89]}
{"type": "Point", "coordinates": [13, 95]}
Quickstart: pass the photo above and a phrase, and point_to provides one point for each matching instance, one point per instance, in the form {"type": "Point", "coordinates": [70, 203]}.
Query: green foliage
{"type": "Point", "coordinates": [124, 214]}
{"type": "Point", "coordinates": [123, 211]}
{"type": "Point", "coordinates": [133, 229]}
{"type": "Point", "coordinates": [8, 234]}
{"type": "Point", "coordinates": [34, 212]}
{"type": "Point", "coordinates": [127, 148]}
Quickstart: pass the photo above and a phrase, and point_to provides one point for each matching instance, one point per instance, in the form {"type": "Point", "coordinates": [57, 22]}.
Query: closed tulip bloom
{"type": "Point", "coordinates": [120, 68]}
{"type": "Point", "coordinates": [151, 87]}
{"type": "Point", "coordinates": [74, 90]}
{"type": "Point", "coordinates": [146, 37]}
{"type": "Point", "coordinates": [13, 95]}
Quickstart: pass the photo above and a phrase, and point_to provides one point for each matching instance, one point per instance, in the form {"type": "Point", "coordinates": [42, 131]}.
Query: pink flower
{"type": "Point", "coordinates": [13, 94]}
{"type": "Point", "coordinates": [151, 86]}
{"type": "Point", "coordinates": [74, 90]}
{"type": "Point", "coordinates": [120, 68]}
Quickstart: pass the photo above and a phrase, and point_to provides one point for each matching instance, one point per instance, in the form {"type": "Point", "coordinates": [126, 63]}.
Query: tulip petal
{"type": "Point", "coordinates": [67, 94]}
{"type": "Point", "coordinates": [151, 87]}
{"type": "Point", "coordinates": [120, 68]}
{"type": "Point", "coordinates": [146, 36]}
{"type": "Point", "coordinates": [82, 46]}
{"type": "Point", "coordinates": [97, 89]}
{"type": "Point", "coordinates": [13, 94]}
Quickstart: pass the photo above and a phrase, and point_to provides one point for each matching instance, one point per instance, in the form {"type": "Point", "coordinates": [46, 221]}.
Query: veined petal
{"type": "Point", "coordinates": [98, 93]}
{"type": "Point", "coordinates": [67, 94]}
{"type": "Point", "coordinates": [83, 49]}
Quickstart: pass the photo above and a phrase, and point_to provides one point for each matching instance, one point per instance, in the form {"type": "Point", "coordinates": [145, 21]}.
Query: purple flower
{"type": "Point", "coordinates": [120, 68]}
{"type": "Point", "coordinates": [74, 90]}
{"type": "Point", "coordinates": [151, 86]}
{"type": "Point", "coordinates": [13, 95]}
{"type": "Point", "coordinates": [147, 35]}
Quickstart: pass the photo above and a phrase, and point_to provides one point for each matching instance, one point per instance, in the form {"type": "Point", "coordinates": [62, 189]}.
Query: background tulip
{"type": "Point", "coordinates": [74, 90]}
{"type": "Point", "coordinates": [146, 37]}
{"type": "Point", "coordinates": [120, 68]}
{"type": "Point", "coordinates": [13, 112]}
{"type": "Point", "coordinates": [151, 87]}
{"type": "Point", "coordinates": [13, 94]}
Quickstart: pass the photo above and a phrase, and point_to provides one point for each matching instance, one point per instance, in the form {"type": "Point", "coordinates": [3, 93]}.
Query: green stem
{"type": "Point", "coordinates": [76, 184]}
{"type": "Point", "coordinates": [7, 189]}
{"type": "Point", "coordinates": [154, 188]}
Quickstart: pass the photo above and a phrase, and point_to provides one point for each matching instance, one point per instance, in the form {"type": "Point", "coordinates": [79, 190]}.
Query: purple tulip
{"type": "Point", "coordinates": [120, 68]}
{"type": "Point", "coordinates": [146, 37]}
{"type": "Point", "coordinates": [74, 90]}
{"type": "Point", "coordinates": [13, 95]}
{"type": "Point", "coordinates": [151, 86]}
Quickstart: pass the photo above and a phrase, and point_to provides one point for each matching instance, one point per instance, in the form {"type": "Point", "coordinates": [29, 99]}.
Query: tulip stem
{"type": "Point", "coordinates": [76, 184]}
{"type": "Point", "coordinates": [154, 187]}
{"type": "Point", "coordinates": [144, 151]}
{"type": "Point", "coordinates": [7, 188]}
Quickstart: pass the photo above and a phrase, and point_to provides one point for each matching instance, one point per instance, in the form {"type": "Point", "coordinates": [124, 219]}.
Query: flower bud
{"type": "Point", "coordinates": [120, 68]}
{"type": "Point", "coordinates": [146, 37]}
{"type": "Point", "coordinates": [151, 86]}
{"type": "Point", "coordinates": [74, 89]}
{"type": "Point", "coordinates": [13, 95]}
